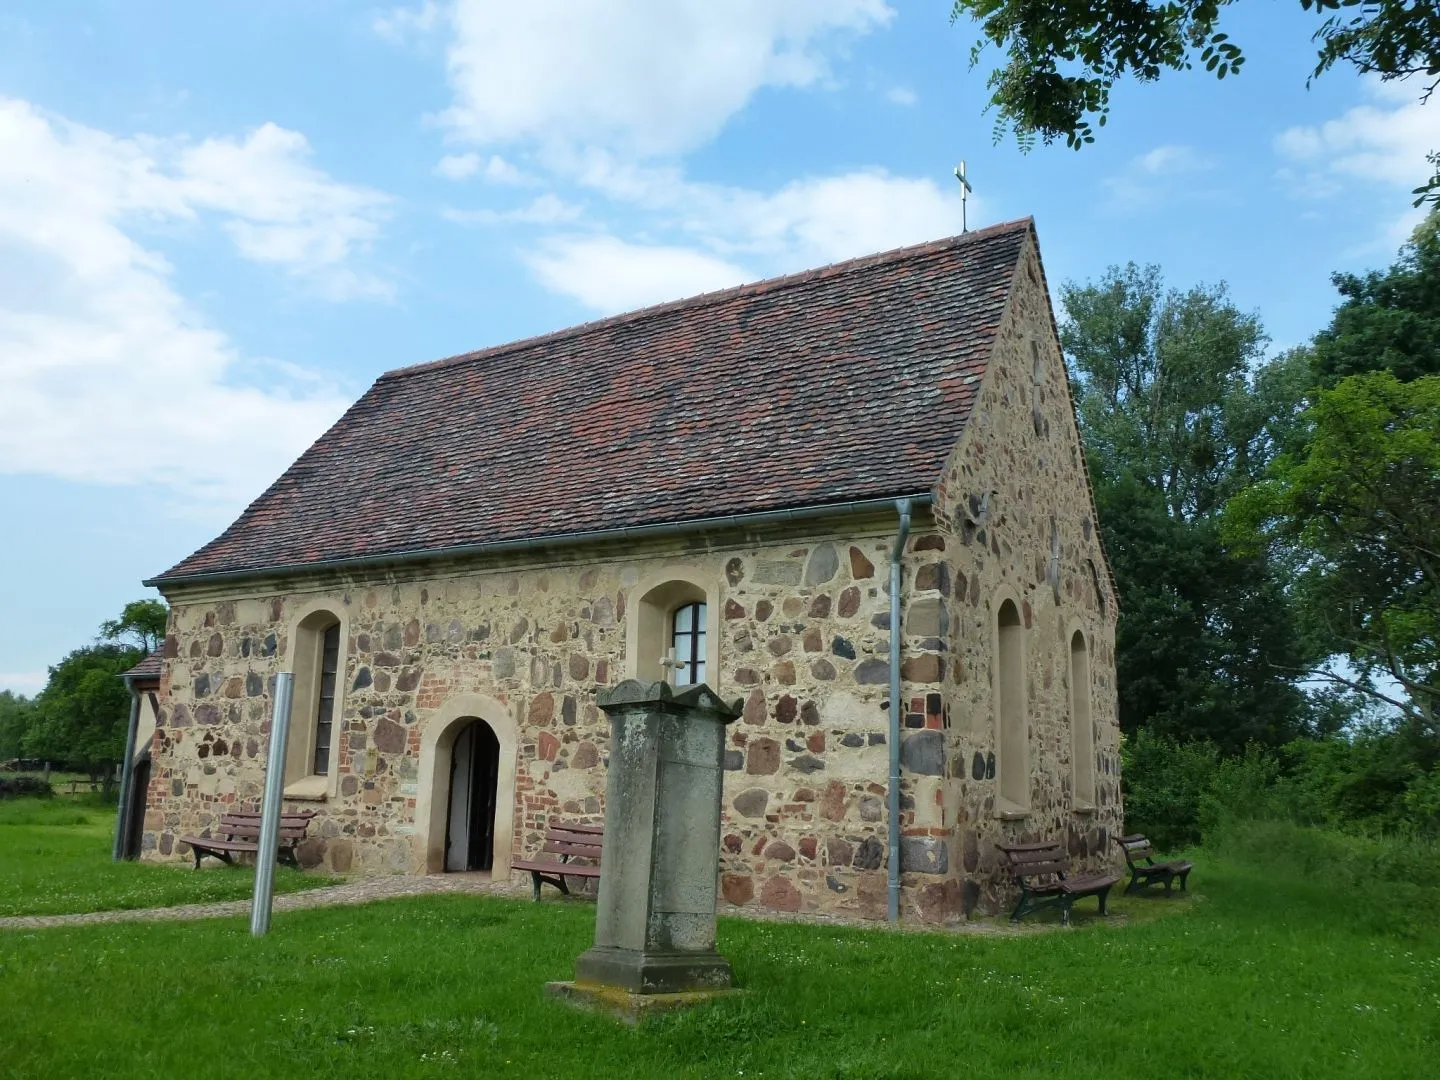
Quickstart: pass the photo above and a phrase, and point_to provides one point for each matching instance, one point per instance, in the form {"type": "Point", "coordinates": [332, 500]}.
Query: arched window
{"type": "Point", "coordinates": [1082, 731]}
{"type": "Point", "coordinates": [671, 633]}
{"type": "Point", "coordinates": [325, 700]}
{"type": "Point", "coordinates": [318, 661]}
{"type": "Point", "coordinates": [1010, 710]}
{"type": "Point", "coordinates": [687, 644]}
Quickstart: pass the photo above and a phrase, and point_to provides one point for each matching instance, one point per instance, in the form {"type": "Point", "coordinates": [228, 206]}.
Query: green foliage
{"type": "Point", "coordinates": [1063, 57]}
{"type": "Point", "coordinates": [1368, 783]}
{"type": "Point", "coordinates": [1354, 517]}
{"type": "Point", "coordinates": [80, 717]}
{"type": "Point", "coordinates": [1165, 783]}
{"type": "Point", "coordinates": [141, 624]}
{"type": "Point", "coordinates": [1390, 320]}
{"type": "Point", "coordinates": [24, 787]}
{"type": "Point", "coordinates": [15, 717]}
{"type": "Point", "coordinates": [1179, 412]}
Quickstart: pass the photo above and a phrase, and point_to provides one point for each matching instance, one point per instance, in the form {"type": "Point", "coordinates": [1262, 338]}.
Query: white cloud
{"type": "Point", "coordinates": [1368, 142]}
{"type": "Point", "coordinates": [495, 169]}
{"type": "Point", "coordinates": [500, 171]}
{"type": "Point", "coordinates": [1374, 145]}
{"type": "Point", "coordinates": [25, 683]}
{"type": "Point", "coordinates": [608, 98]}
{"type": "Point", "coordinates": [901, 95]}
{"type": "Point", "coordinates": [610, 275]}
{"type": "Point", "coordinates": [643, 78]}
{"type": "Point", "coordinates": [546, 209]}
{"type": "Point", "coordinates": [458, 166]}
{"type": "Point", "coordinates": [1148, 177]}
{"type": "Point", "coordinates": [729, 235]}
{"type": "Point", "coordinates": [106, 375]}
{"type": "Point", "coordinates": [284, 211]}
{"type": "Point", "coordinates": [400, 23]}
{"type": "Point", "coordinates": [830, 218]}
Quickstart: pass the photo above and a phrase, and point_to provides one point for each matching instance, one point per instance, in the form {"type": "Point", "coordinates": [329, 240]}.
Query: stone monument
{"type": "Point", "coordinates": [655, 920]}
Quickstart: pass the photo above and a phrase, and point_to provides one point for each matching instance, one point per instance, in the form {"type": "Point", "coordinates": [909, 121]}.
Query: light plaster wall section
{"type": "Point", "coordinates": [1015, 511]}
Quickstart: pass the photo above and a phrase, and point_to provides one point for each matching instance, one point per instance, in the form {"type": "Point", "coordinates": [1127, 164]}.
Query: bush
{"type": "Point", "coordinates": [23, 786]}
{"type": "Point", "coordinates": [1165, 783]}
{"type": "Point", "coordinates": [1372, 783]}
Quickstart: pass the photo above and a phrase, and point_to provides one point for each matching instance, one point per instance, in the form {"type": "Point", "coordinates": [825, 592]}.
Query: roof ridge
{"type": "Point", "coordinates": [718, 295]}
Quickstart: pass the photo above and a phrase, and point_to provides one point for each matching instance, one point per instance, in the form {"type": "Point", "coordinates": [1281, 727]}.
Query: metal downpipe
{"type": "Point", "coordinates": [896, 553]}
{"type": "Point", "coordinates": [127, 773]}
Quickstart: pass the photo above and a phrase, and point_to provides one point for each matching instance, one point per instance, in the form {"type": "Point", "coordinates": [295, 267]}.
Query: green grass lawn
{"type": "Point", "coordinates": [55, 859]}
{"type": "Point", "coordinates": [1261, 974]}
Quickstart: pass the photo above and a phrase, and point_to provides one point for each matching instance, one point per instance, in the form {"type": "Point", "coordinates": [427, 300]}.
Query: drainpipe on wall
{"type": "Point", "coordinates": [127, 772]}
{"type": "Point", "coordinates": [903, 507]}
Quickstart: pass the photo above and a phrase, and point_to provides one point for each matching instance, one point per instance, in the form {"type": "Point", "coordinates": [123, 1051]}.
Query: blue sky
{"type": "Point", "coordinates": [219, 222]}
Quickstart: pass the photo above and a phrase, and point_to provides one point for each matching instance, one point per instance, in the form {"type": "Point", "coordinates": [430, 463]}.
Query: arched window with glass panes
{"type": "Point", "coordinates": [687, 645]}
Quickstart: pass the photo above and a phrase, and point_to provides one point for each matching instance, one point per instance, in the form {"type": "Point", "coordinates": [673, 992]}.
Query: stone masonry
{"type": "Point", "coordinates": [803, 620]}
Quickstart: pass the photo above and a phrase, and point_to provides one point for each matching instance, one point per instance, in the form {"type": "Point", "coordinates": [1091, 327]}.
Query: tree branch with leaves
{"type": "Point", "coordinates": [1063, 57]}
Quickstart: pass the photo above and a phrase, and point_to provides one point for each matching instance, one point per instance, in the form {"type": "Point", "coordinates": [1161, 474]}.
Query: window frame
{"type": "Point", "coordinates": [692, 662]}
{"type": "Point", "coordinates": [650, 606]}
{"type": "Point", "coordinates": [306, 656]}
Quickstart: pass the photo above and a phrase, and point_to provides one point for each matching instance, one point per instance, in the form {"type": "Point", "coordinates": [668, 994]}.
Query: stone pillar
{"type": "Point", "coordinates": [655, 921]}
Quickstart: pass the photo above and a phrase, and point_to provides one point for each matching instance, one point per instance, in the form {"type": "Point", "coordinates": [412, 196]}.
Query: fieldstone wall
{"type": "Point", "coordinates": [804, 639]}
{"type": "Point", "coordinates": [1017, 519]}
{"type": "Point", "coordinates": [803, 626]}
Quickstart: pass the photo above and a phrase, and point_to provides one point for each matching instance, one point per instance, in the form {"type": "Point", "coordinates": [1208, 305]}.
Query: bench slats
{"type": "Point", "coordinates": [1041, 871]}
{"type": "Point", "coordinates": [1145, 871]}
{"type": "Point", "coordinates": [583, 851]}
{"type": "Point", "coordinates": [239, 831]}
{"type": "Point", "coordinates": [568, 839]}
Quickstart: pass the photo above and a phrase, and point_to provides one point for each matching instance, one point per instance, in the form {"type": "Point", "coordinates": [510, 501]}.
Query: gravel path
{"type": "Point", "coordinates": [365, 890]}
{"type": "Point", "coordinates": [351, 892]}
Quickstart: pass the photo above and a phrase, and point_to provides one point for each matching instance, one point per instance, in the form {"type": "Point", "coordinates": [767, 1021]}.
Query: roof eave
{"type": "Point", "coordinates": [628, 532]}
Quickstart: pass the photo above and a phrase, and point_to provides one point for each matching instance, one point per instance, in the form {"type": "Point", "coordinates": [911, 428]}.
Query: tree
{"type": "Point", "coordinates": [1354, 516]}
{"type": "Point", "coordinates": [82, 714]}
{"type": "Point", "coordinates": [1179, 413]}
{"type": "Point", "coordinates": [15, 712]}
{"type": "Point", "coordinates": [141, 622]}
{"type": "Point", "coordinates": [81, 717]}
{"type": "Point", "coordinates": [1388, 321]}
{"type": "Point", "coordinates": [1097, 42]}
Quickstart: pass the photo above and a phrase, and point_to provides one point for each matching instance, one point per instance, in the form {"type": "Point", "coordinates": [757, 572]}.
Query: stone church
{"type": "Point", "coordinates": [716, 490]}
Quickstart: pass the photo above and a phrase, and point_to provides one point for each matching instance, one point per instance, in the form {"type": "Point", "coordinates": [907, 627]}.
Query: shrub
{"type": "Point", "coordinates": [1165, 784]}
{"type": "Point", "coordinates": [22, 786]}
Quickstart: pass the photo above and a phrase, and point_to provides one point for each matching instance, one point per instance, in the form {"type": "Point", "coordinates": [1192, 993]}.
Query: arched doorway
{"type": "Point", "coordinates": [474, 787]}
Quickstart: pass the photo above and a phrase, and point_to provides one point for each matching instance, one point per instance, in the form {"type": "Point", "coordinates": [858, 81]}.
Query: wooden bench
{"type": "Point", "coordinates": [1144, 870]}
{"type": "Point", "coordinates": [241, 833]}
{"type": "Point", "coordinates": [569, 840]}
{"type": "Point", "coordinates": [1041, 871]}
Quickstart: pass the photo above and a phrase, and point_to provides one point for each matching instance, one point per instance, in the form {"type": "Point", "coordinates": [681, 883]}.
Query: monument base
{"type": "Point", "coordinates": [628, 1007]}
{"type": "Point", "coordinates": [652, 972]}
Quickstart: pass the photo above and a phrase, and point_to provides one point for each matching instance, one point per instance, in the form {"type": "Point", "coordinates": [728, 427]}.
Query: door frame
{"type": "Point", "coordinates": [432, 803]}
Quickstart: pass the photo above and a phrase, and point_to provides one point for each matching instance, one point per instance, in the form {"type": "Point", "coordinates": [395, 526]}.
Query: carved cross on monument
{"type": "Point", "coordinates": [965, 190]}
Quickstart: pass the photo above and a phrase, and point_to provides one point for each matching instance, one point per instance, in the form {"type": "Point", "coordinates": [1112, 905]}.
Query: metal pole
{"type": "Point", "coordinates": [896, 709]}
{"type": "Point", "coordinates": [270, 808]}
{"type": "Point", "coordinates": [127, 774]}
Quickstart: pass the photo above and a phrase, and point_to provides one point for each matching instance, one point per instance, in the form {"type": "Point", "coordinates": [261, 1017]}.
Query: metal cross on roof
{"type": "Point", "coordinates": [965, 190]}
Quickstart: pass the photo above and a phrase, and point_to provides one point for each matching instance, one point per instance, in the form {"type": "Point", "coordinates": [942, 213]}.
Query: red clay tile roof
{"type": "Point", "coordinates": [149, 668]}
{"type": "Point", "coordinates": [844, 383]}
